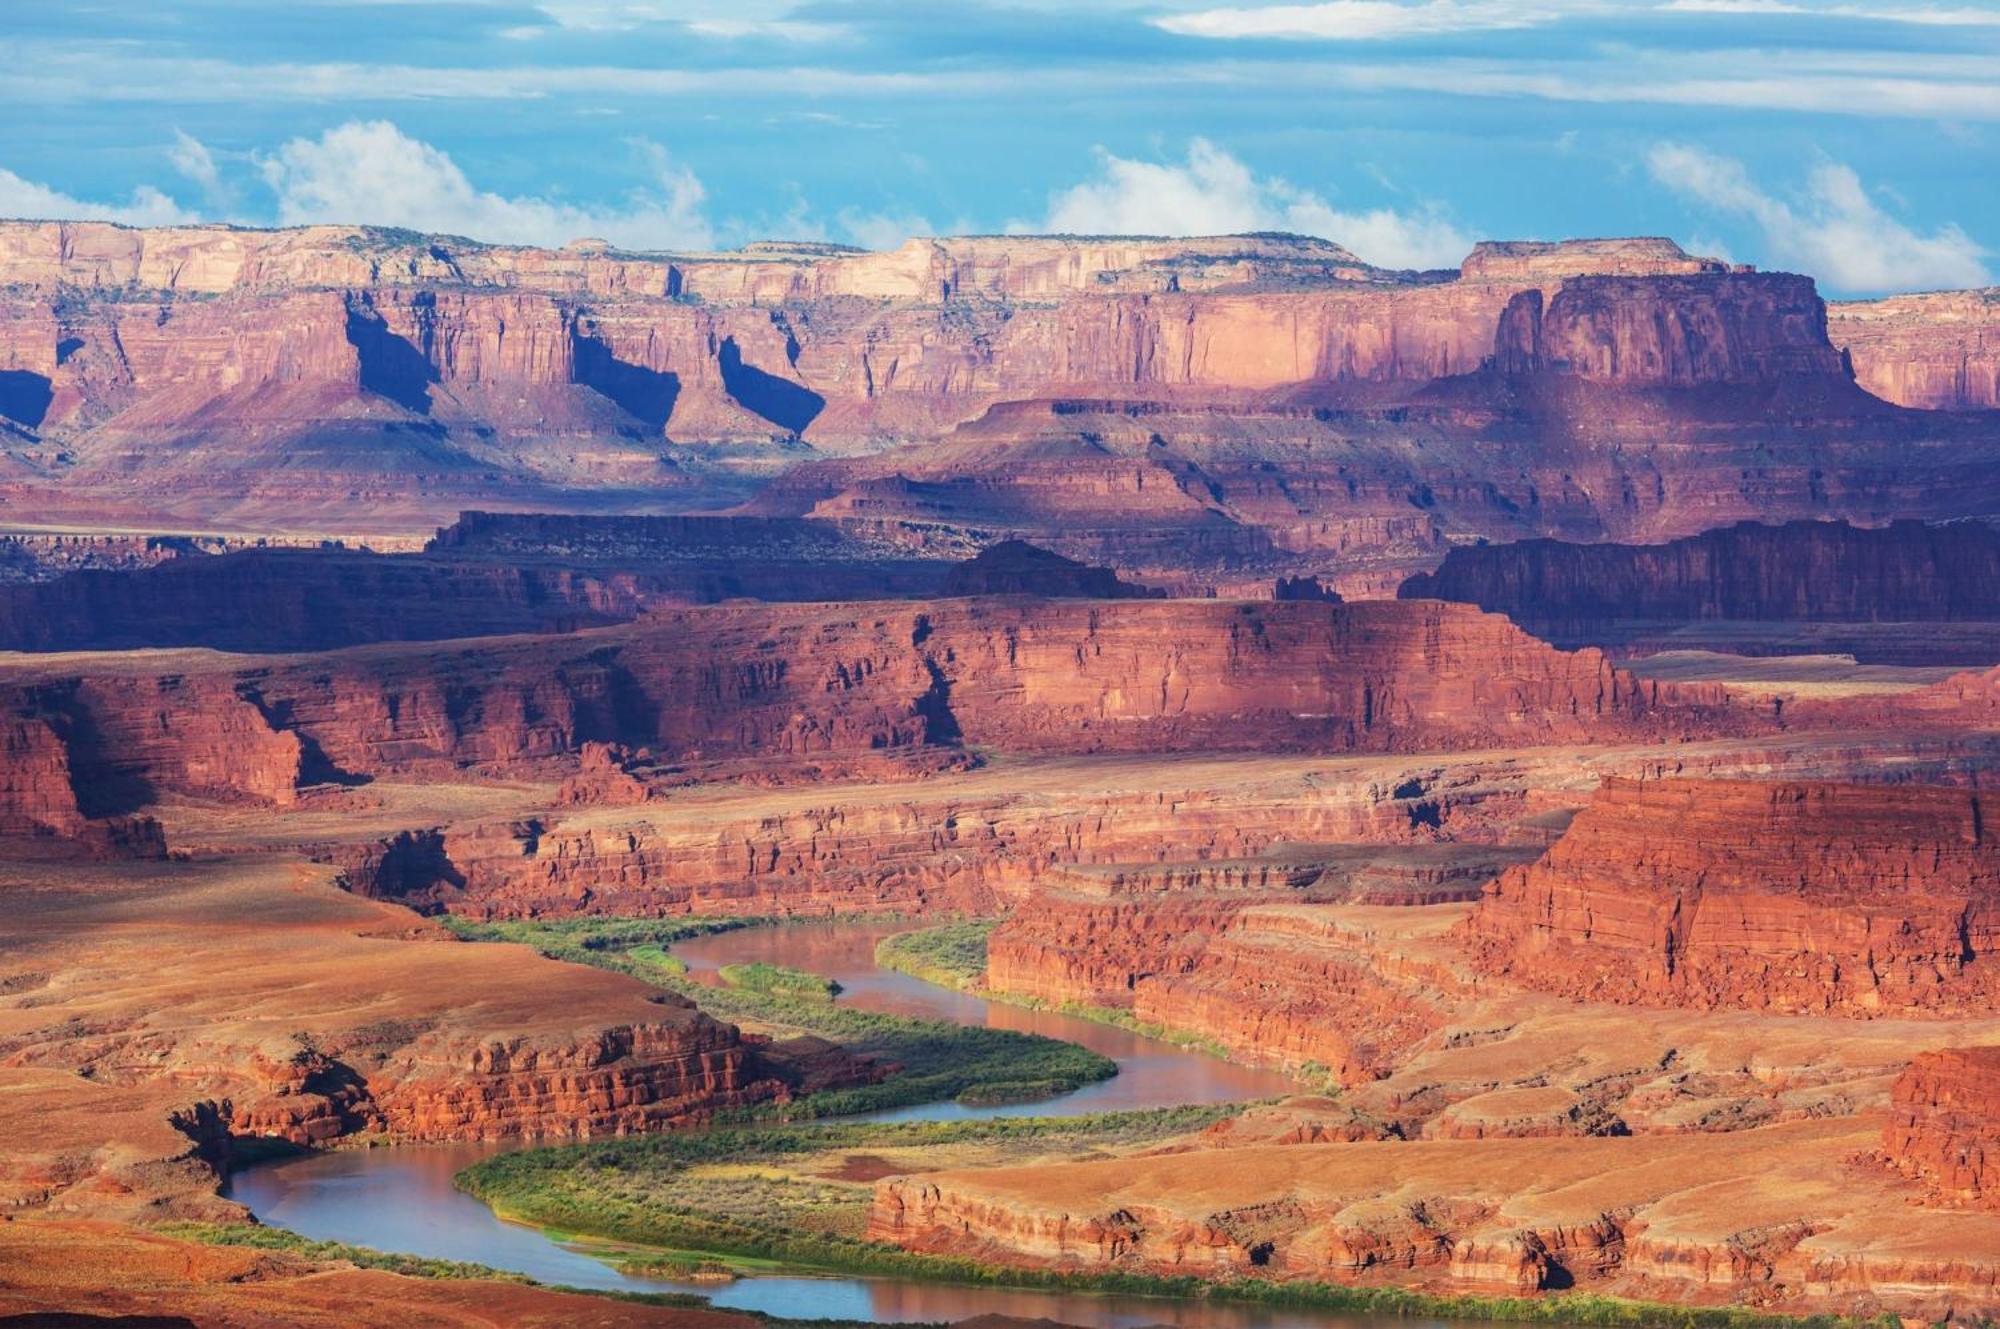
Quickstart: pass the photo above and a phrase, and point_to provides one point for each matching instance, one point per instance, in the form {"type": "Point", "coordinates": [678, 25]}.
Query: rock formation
{"type": "Point", "coordinates": [1802, 571]}
{"type": "Point", "coordinates": [1944, 1127]}
{"type": "Point", "coordinates": [1284, 401]}
{"type": "Point", "coordinates": [1939, 351]}
{"type": "Point", "coordinates": [1015, 567]}
{"type": "Point", "coordinates": [1851, 899]}
{"type": "Point", "coordinates": [800, 682]}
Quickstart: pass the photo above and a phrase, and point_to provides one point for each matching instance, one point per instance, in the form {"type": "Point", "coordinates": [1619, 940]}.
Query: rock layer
{"type": "Point", "coordinates": [1939, 351]}
{"type": "Point", "coordinates": [1804, 571]}
{"type": "Point", "coordinates": [364, 380]}
{"type": "Point", "coordinates": [1862, 900]}
{"type": "Point", "coordinates": [855, 682]}
{"type": "Point", "coordinates": [1944, 1128]}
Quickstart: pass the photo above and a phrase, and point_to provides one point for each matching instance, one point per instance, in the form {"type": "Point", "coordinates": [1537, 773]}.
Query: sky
{"type": "Point", "coordinates": [1859, 142]}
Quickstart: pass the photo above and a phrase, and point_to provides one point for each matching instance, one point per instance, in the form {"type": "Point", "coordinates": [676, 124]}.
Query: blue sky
{"type": "Point", "coordinates": [1858, 141]}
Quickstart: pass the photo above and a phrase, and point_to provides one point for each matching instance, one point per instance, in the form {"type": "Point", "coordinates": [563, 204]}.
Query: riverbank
{"type": "Point", "coordinates": [930, 1060]}
{"type": "Point", "coordinates": [797, 1198]}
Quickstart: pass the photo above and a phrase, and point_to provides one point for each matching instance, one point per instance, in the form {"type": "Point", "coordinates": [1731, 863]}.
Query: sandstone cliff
{"type": "Point", "coordinates": [1938, 352]}
{"type": "Point", "coordinates": [1944, 1129]}
{"type": "Point", "coordinates": [1851, 899]}
{"type": "Point", "coordinates": [1803, 571]}
{"type": "Point", "coordinates": [851, 680]}
{"type": "Point", "coordinates": [361, 380]}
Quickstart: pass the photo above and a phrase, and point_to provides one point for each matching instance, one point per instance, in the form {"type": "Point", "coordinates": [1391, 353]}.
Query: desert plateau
{"type": "Point", "coordinates": [1282, 735]}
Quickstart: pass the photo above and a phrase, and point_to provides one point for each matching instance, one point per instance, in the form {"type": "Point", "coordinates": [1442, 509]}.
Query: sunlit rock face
{"type": "Point", "coordinates": [1851, 899]}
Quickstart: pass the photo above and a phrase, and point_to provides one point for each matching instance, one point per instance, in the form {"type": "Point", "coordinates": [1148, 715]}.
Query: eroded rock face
{"type": "Point", "coordinates": [1802, 571]}
{"type": "Point", "coordinates": [1850, 899]}
{"type": "Point", "coordinates": [1944, 1127]}
{"type": "Point", "coordinates": [1015, 567]}
{"type": "Point", "coordinates": [1288, 400]}
{"type": "Point", "coordinates": [1938, 352]}
{"type": "Point", "coordinates": [802, 682]}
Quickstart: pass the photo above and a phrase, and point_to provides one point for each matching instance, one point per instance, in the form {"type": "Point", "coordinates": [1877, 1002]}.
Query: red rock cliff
{"type": "Point", "coordinates": [1804, 570]}
{"type": "Point", "coordinates": [1945, 1125]}
{"type": "Point", "coordinates": [1849, 899]}
{"type": "Point", "coordinates": [1938, 352]}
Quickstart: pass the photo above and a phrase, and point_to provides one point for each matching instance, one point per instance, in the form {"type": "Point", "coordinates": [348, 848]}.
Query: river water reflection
{"type": "Point", "coordinates": [402, 1199]}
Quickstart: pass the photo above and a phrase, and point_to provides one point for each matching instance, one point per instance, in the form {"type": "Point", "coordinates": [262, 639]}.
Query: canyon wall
{"type": "Point", "coordinates": [1849, 899]}
{"type": "Point", "coordinates": [850, 680]}
{"type": "Point", "coordinates": [1802, 571]}
{"type": "Point", "coordinates": [352, 380]}
{"type": "Point", "coordinates": [1944, 1125]}
{"type": "Point", "coordinates": [1938, 351]}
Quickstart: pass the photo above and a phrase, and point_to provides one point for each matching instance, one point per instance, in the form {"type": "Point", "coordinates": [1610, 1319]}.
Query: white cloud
{"type": "Point", "coordinates": [25, 199]}
{"type": "Point", "coordinates": [881, 230]}
{"type": "Point", "coordinates": [1362, 20]}
{"type": "Point", "coordinates": [191, 157]}
{"type": "Point", "coordinates": [371, 172]}
{"type": "Point", "coordinates": [1835, 231]}
{"type": "Point", "coordinates": [1213, 193]}
{"type": "Point", "coordinates": [1923, 15]}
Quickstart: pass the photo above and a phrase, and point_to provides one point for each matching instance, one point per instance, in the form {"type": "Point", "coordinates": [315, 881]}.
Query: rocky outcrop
{"type": "Point", "coordinates": [1283, 403]}
{"type": "Point", "coordinates": [1015, 567]}
{"type": "Point", "coordinates": [1845, 899]}
{"type": "Point", "coordinates": [1938, 352]}
{"type": "Point", "coordinates": [485, 576]}
{"type": "Point", "coordinates": [1802, 571]}
{"type": "Point", "coordinates": [613, 1081]}
{"type": "Point", "coordinates": [1944, 1127]}
{"type": "Point", "coordinates": [1275, 985]}
{"type": "Point", "coordinates": [804, 682]}
{"type": "Point", "coordinates": [40, 816]}
{"type": "Point", "coordinates": [1659, 1218]}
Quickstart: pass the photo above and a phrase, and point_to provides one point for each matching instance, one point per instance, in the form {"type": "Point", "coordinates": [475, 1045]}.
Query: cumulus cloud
{"type": "Point", "coordinates": [1214, 193]}
{"type": "Point", "coordinates": [191, 157]}
{"type": "Point", "coordinates": [147, 206]}
{"type": "Point", "coordinates": [1361, 20]}
{"type": "Point", "coordinates": [1834, 230]}
{"type": "Point", "coordinates": [371, 172]}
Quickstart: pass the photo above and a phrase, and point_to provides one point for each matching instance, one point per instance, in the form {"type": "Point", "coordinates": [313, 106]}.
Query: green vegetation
{"type": "Point", "coordinates": [935, 1059]}
{"type": "Point", "coordinates": [750, 1199]}
{"type": "Point", "coordinates": [277, 1239]}
{"type": "Point", "coordinates": [951, 956]}
{"type": "Point", "coordinates": [780, 1194]}
{"type": "Point", "coordinates": [777, 980]}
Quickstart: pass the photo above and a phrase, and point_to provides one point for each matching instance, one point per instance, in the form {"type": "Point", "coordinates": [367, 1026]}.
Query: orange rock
{"type": "Point", "coordinates": [1945, 1125]}
{"type": "Point", "coordinates": [1852, 899]}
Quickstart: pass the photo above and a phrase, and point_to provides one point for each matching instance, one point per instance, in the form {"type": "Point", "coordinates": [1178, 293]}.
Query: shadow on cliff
{"type": "Point", "coordinates": [25, 396]}
{"type": "Point", "coordinates": [390, 366]}
{"type": "Point", "coordinates": [779, 400]}
{"type": "Point", "coordinates": [648, 395]}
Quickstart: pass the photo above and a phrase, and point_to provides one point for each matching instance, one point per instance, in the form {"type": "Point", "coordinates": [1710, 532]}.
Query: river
{"type": "Point", "coordinates": [401, 1199]}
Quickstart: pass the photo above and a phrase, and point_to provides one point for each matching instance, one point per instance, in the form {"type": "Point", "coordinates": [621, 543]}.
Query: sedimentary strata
{"type": "Point", "coordinates": [1799, 572]}
{"type": "Point", "coordinates": [337, 1017]}
{"type": "Point", "coordinates": [852, 680]}
{"type": "Point", "coordinates": [1290, 403]}
{"type": "Point", "coordinates": [1863, 900]}
{"type": "Point", "coordinates": [1784, 1215]}
{"type": "Point", "coordinates": [1938, 351]}
{"type": "Point", "coordinates": [1944, 1125]}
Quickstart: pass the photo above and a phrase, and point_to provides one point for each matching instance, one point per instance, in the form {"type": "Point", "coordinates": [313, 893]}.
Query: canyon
{"type": "Point", "coordinates": [1546, 708]}
{"type": "Point", "coordinates": [1209, 412]}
